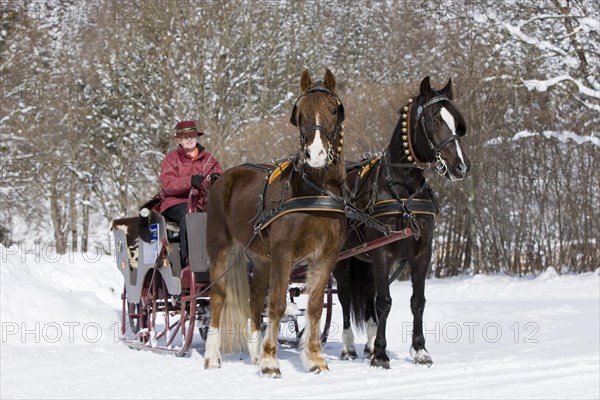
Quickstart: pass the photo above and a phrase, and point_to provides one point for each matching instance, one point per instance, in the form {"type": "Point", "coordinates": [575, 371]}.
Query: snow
{"type": "Point", "coordinates": [589, 24]}
{"type": "Point", "coordinates": [540, 44]}
{"type": "Point", "coordinates": [489, 336]}
{"type": "Point", "coordinates": [561, 136]}
{"type": "Point", "coordinates": [543, 85]}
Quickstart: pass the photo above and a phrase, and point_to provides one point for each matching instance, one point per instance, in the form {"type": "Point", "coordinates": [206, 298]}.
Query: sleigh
{"type": "Point", "coordinates": [164, 304]}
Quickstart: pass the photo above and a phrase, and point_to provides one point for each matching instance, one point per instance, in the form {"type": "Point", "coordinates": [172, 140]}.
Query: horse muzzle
{"type": "Point", "coordinates": [316, 155]}
{"type": "Point", "coordinates": [459, 171]}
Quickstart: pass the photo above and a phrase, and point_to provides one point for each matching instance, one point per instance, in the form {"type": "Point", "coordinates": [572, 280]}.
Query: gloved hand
{"type": "Point", "coordinates": [197, 181]}
{"type": "Point", "coordinates": [214, 176]}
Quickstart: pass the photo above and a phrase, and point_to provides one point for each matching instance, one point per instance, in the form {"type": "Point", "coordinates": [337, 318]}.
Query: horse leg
{"type": "Point", "coordinates": [344, 292]}
{"type": "Point", "coordinates": [279, 280]}
{"type": "Point", "coordinates": [212, 352]}
{"type": "Point", "coordinates": [316, 282]}
{"type": "Point", "coordinates": [258, 294]}
{"type": "Point", "coordinates": [367, 299]}
{"type": "Point", "coordinates": [371, 322]}
{"type": "Point", "coordinates": [383, 305]}
{"type": "Point", "coordinates": [361, 288]}
{"type": "Point", "coordinates": [419, 269]}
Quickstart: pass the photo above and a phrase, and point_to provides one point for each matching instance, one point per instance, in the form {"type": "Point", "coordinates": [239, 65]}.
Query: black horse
{"type": "Point", "coordinates": [392, 188]}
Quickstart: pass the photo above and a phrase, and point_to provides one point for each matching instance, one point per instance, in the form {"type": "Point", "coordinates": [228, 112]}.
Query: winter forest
{"type": "Point", "coordinates": [92, 90]}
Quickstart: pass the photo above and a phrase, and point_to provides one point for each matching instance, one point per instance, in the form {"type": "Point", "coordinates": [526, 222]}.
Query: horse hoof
{"type": "Point", "coordinates": [423, 357]}
{"type": "Point", "coordinates": [368, 353]}
{"type": "Point", "coordinates": [379, 363]}
{"type": "Point", "coordinates": [318, 369]}
{"type": "Point", "coordinates": [348, 355]}
{"type": "Point", "coordinates": [271, 372]}
{"type": "Point", "coordinates": [210, 364]}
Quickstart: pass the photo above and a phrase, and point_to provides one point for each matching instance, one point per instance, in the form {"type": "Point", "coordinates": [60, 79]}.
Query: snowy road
{"type": "Point", "coordinates": [490, 337]}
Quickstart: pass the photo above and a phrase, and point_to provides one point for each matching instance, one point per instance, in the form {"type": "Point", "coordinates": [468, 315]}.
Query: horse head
{"type": "Point", "coordinates": [318, 114]}
{"type": "Point", "coordinates": [437, 127]}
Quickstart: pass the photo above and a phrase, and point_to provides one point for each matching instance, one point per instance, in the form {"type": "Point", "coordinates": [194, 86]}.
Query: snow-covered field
{"type": "Point", "coordinates": [489, 336]}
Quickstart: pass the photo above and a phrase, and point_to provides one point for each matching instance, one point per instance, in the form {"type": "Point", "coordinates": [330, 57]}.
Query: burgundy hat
{"type": "Point", "coordinates": [186, 128]}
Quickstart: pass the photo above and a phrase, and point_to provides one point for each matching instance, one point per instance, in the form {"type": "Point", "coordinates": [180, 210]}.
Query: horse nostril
{"type": "Point", "coordinates": [461, 169]}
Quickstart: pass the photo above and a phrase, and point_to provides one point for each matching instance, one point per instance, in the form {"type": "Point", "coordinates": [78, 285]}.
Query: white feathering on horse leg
{"type": "Point", "coordinates": [312, 362]}
{"type": "Point", "coordinates": [268, 365]}
{"type": "Point", "coordinates": [212, 353]}
{"type": "Point", "coordinates": [253, 340]}
{"type": "Point", "coordinates": [348, 342]}
{"type": "Point", "coordinates": [422, 357]}
{"type": "Point", "coordinates": [371, 335]}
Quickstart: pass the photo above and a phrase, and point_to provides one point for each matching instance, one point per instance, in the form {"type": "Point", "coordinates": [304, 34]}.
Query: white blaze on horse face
{"type": "Point", "coordinates": [449, 120]}
{"type": "Point", "coordinates": [317, 155]}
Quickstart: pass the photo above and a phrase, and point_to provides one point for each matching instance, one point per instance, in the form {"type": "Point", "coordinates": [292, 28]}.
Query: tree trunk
{"type": "Point", "coordinates": [73, 211]}
{"type": "Point", "coordinates": [85, 223]}
{"type": "Point", "coordinates": [57, 222]}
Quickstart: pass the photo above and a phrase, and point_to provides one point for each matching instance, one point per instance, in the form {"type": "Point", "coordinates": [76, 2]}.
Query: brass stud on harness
{"type": "Point", "coordinates": [403, 116]}
{"type": "Point", "coordinates": [404, 130]}
{"type": "Point", "coordinates": [405, 109]}
{"type": "Point", "coordinates": [341, 141]}
{"type": "Point", "coordinates": [404, 138]}
{"type": "Point", "coordinates": [407, 152]}
{"type": "Point", "coordinates": [410, 100]}
{"type": "Point", "coordinates": [339, 149]}
{"type": "Point", "coordinates": [404, 124]}
{"type": "Point", "coordinates": [409, 158]}
{"type": "Point", "coordinates": [405, 144]}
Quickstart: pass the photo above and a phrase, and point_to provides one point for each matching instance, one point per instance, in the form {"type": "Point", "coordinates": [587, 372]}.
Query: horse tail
{"type": "Point", "coordinates": [362, 286]}
{"type": "Point", "coordinates": [236, 308]}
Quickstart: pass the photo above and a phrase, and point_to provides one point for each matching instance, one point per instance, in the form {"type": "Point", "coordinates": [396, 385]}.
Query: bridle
{"type": "Point", "coordinates": [331, 136]}
{"type": "Point", "coordinates": [423, 120]}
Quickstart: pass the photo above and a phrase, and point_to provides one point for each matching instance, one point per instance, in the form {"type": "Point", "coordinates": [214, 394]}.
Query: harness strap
{"type": "Point", "coordinates": [414, 206]}
{"type": "Point", "coordinates": [299, 204]}
{"type": "Point", "coordinates": [350, 210]}
{"type": "Point", "coordinates": [352, 165]}
{"type": "Point", "coordinates": [405, 211]}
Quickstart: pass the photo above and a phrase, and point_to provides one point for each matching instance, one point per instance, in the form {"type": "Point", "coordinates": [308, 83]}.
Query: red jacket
{"type": "Point", "coordinates": [176, 175]}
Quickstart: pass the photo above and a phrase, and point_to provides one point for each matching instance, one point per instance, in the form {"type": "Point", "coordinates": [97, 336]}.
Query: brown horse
{"type": "Point", "coordinates": [248, 222]}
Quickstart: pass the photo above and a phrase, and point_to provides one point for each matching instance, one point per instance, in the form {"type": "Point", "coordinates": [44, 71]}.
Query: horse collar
{"type": "Point", "coordinates": [409, 151]}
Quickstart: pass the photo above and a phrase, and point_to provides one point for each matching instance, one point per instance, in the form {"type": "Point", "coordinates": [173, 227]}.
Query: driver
{"type": "Point", "coordinates": [189, 165]}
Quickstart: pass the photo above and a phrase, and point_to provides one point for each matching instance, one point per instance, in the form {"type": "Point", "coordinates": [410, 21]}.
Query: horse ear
{"type": "Point", "coordinates": [329, 80]}
{"type": "Point", "coordinates": [425, 87]}
{"type": "Point", "coordinates": [447, 90]}
{"type": "Point", "coordinates": [305, 81]}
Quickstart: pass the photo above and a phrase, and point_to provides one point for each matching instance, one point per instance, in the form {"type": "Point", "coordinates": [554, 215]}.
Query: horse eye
{"type": "Point", "coordinates": [334, 111]}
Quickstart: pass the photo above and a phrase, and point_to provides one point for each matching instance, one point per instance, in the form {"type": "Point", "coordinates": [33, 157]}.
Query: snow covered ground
{"type": "Point", "coordinates": [489, 336]}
